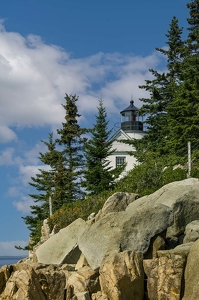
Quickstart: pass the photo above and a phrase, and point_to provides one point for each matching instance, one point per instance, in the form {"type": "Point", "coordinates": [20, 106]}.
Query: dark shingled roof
{"type": "Point", "coordinates": [131, 107]}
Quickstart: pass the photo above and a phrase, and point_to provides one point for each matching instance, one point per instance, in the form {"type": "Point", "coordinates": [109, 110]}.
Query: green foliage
{"type": "Point", "coordinates": [162, 90]}
{"type": "Point", "coordinates": [43, 182]}
{"type": "Point", "coordinates": [171, 174]}
{"type": "Point", "coordinates": [72, 143]}
{"type": "Point", "coordinates": [79, 209]}
{"type": "Point", "coordinates": [98, 174]}
{"type": "Point", "coordinates": [148, 177]}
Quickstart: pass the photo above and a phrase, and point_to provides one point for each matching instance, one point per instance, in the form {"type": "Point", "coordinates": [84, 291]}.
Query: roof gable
{"type": "Point", "coordinates": [120, 135]}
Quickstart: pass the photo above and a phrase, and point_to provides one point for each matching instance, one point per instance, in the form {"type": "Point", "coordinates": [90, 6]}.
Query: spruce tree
{"type": "Point", "coordinates": [98, 174]}
{"type": "Point", "coordinates": [162, 90]}
{"type": "Point", "coordinates": [44, 184]}
{"type": "Point", "coordinates": [71, 140]}
{"type": "Point", "coordinates": [184, 110]}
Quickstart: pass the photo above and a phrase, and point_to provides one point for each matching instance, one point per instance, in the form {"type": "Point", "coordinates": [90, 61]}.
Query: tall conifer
{"type": "Point", "coordinates": [184, 110]}
{"type": "Point", "coordinates": [98, 174]}
{"type": "Point", "coordinates": [44, 184]}
{"type": "Point", "coordinates": [162, 90]}
{"type": "Point", "coordinates": [71, 140]}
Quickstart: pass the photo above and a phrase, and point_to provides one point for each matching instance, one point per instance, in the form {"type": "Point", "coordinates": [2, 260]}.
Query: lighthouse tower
{"type": "Point", "coordinates": [130, 127]}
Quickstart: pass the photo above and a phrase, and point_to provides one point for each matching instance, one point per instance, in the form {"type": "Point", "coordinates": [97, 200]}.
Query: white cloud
{"type": "Point", "coordinates": [6, 157]}
{"type": "Point", "coordinates": [35, 76]}
{"type": "Point", "coordinates": [6, 134]}
{"type": "Point", "coordinates": [24, 204]}
{"type": "Point", "coordinates": [31, 156]}
{"type": "Point", "coordinates": [8, 248]}
{"type": "Point", "coordinates": [26, 172]}
{"type": "Point", "coordinates": [14, 191]}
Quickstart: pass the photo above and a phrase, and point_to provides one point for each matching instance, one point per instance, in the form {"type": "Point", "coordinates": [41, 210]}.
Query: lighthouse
{"type": "Point", "coordinates": [130, 128]}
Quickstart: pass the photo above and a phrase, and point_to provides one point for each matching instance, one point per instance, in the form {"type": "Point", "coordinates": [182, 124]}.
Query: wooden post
{"type": "Point", "coordinates": [189, 158]}
{"type": "Point", "coordinates": [50, 206]}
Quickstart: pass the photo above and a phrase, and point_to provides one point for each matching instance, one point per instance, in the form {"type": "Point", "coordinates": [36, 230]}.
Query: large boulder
{"type": "Point", "coordinates": [170, 208]}
{"type": "Point", "coordinates": [191, 232]}
{"type": "Point", "coordinates": [192, 274]}
{"type": "Point", "coordinates": [23, 285]}
{"type": "Point", "coordinates": [62, 247]}
{"type": "Point", "coordinates": [165, 274]}
{"type": "Point", "coordinates": [84, 280]}
{"type": "Point", "coordinates": [126, 230]}
{"type": "Point", "coordinates": [28, 281]}
{"type": "Point", "coordinates": [5, 273]}
{"type": "Point", "coordinates": [182, 197]}
{"type": "Point", "coordinates": [117, 202]}
{"type": "Point", "coordinates": [122, 276]}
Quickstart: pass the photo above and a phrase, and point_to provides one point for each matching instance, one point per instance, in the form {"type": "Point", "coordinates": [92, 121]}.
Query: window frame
{"type": "Point", "coordinates": [120, 160]}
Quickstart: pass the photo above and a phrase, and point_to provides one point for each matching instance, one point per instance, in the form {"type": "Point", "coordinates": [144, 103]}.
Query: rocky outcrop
{"type": "Point", "coordinates": [192, 274]}
{"type": "Point", "coordinates": [164, 275]}
{"type": "Point", "coordinates": [191, 232]}
{"type": "Point", "coordinates": [134, 248]}
{"type": "Point", "coordinates": [62, 247]}
{"type": "Point", "coordinates": [117, 202]}
{"type": "Point", "coordinates": [122, 276]}
{"type": "Point", "coordinates": [32, 281]}
{"type": "Point", "coordinates": [131, 230]}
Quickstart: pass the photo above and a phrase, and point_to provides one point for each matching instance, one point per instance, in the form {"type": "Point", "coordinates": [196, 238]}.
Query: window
{"type": "Point", "coordinates": [120, 160]}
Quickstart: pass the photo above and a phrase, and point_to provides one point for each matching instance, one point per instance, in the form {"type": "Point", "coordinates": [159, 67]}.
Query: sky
{"type": "Point", "coordinates": [94, 49]}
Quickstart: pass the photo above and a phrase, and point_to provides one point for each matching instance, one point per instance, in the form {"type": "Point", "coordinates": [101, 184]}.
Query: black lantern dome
{"type": "Point", "coordinates": [130, 119]}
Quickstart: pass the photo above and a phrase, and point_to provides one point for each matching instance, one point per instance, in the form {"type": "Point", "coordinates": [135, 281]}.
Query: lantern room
{"type": "Point", "coordinates": [130, 119]}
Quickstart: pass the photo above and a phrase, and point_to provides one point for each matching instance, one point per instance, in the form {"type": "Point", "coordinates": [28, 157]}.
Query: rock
{"type": "Point", "coordinates": [114, 244]}
{"type": "Point", "coordinates": [180, 196]}
{"type": "Point", "coordinates": [191, 232]}
{"type": "Point", "coordinates": [185, 248]}
{"type": "Point", "coordinates": [91, 216]}
{"type": "Point", "coordinates": [99, 296]}
{"type": "Point", "coordinates": [62, 247]}
{"type": "Point", "coordinates": [122, 276]}
{"type": "Point", "coordinates": [45, 231]}
{"type": "Point", "coordinates": [157, 243]}
{"type": "Point", "coordinates": [5, 273]}
{"type": "Point", "coordinates": [82, 262]}
{"type": "Point", "coordinates": [84, 280]}
{"type": "Point", "coordinates": [165, 275]}
{"type": "Point", "coordinates": [81, 296]}
{"type": "Point", "coordinates": [23, 285]}
{"type": "Point", "coordinates": [192, 274]}
{"type": "Point", "coordinates": [117, 202]}
{"type": "Point", "coordinates": [130, 230]}
{"type": "Point", "coordinates": [34, 281]}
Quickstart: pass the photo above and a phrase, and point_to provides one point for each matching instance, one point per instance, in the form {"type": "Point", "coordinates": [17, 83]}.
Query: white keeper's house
{"type": "Point", "coordinates": [130, 127]}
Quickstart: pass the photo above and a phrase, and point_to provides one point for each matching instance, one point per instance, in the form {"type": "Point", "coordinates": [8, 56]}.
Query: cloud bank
{"type": "Point", "coordinates": [35, 76]}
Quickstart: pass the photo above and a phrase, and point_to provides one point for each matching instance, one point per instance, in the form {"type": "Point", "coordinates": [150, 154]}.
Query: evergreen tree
{"type": "Point", "coordinates": [72, 142]}
{"type": "Point", "coordinates": [44, 184]}
{"type": "Point", "coordinates": [184, 110]}
{"type": "Point", "coordinates": [162, 90]}
{"type": "Point", "coordinates": [98, 174]}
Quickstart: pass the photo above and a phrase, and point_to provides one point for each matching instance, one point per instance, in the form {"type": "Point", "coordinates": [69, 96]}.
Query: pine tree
{"type": "Point", "coordinates": [162, 89]}
{"type": "Point", "coordinates": [184, 110]}
{"type": "Point", "coordinates": [71, 141]}
{"type": "Point", "coordinates": [98, 175]}
{"type": "Point", "coordinates": [44, 184]}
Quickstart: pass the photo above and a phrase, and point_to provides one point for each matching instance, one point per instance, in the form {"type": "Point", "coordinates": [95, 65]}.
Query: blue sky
{"type": "Point", "coordinates": [48, 48]}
